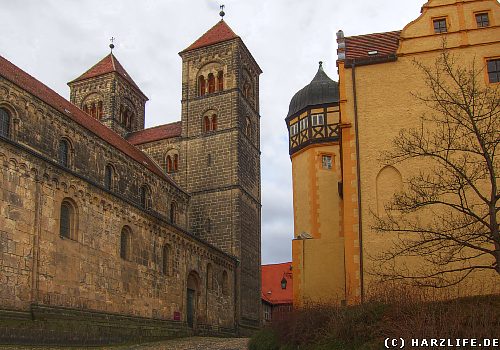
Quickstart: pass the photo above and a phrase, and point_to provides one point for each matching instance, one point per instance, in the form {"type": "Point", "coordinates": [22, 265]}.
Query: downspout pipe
{"type": "Point", "coordinates": [358, 175]}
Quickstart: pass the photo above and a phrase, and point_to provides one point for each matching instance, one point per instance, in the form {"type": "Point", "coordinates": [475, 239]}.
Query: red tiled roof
{"type": "Point", "coordinates": [156, 133]}
{"type": "Point", "coordinates": [28, 83]}
{"type": "Point", "coordinates": [218, 33]}
{"type": "Point", "coordinates": [107, 65]}
{"type": "Point", "coordinates": [384, 43]}
{"type": "Point", "coordinates": [271, 283]}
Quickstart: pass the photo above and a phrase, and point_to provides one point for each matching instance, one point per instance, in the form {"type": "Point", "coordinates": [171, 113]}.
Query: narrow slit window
{"type": "Point", "coordinates": [4, 122]}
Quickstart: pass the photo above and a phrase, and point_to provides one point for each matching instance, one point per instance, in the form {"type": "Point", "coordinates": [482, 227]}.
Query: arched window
{"type": "Point", "coordinates": [93, 110]}
{"type": "Point", "coordinates": [166, 260]}
{"type": "Point", "coordinates": [145, 200]}
{"type": "Point", "coordinates": [64, 153]}
{"type": "Point", "coordinates": [4, 123]}
{"type": "Point", "coordinates": [206, 123]}
{"type": "Point", "coordinates": [211, 83]}
{"type": "Point", "coordinates": [67, 221]}
{"type": "Point", "coordinates": [125, 243]}
{"type": "Point", "coordinates": [169, 164]}
{"type": "Point", "coordinates": [220, 81]}
{"type": "Point", "coordinates": [210, 277]}
{"type": "Point", "coordinates": [108, 177]}
{"type": "Point", "coordinates": [225, 283]}
{"type": "Point", "coordinates": [213, 124]}
{"type": "Point", "coordinates": [247, 90]}
{"type": "Point", "coordinates": [201, 85]}
{"type": "Point", "coordinates": [86, 109]}
{"type": "Point", "coordinates": [99, 110]}
{"type": "Point", "coordinates": [176, 162]}
{"type": "Point", "coordinates": [173, 212]}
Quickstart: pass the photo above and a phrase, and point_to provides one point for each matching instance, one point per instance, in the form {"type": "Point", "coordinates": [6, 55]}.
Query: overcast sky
{"type": "Point", "coordinates": [57, 40]}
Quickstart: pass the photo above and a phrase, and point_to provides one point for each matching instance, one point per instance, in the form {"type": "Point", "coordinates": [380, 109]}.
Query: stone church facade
{"type": "Point", "coordinates": [115, 231]}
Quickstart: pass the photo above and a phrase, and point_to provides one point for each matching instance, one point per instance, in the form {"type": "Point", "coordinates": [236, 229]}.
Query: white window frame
{"type": "Point", "coordinates": [317, 119]}
{"type": "Point", "coordinates": [304, 123]}
{"type": "Point", "coordinates": [326, 161]}
{"type": "Point", "coordinates": [294, 129]}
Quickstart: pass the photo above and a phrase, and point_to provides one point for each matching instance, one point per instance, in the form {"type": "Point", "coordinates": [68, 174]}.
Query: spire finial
{"type": "Point", "coordinates": [222, 13]}
{"type": "Point", "coordinates": [112, 46]}
{"type": "Point", "coordinates": [320, 64]}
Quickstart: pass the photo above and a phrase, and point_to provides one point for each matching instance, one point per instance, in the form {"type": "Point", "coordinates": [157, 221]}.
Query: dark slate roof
{"type": "Point", "coordinates": [156, 133]}
{"type": "Point", "coordinates": [321, 90]}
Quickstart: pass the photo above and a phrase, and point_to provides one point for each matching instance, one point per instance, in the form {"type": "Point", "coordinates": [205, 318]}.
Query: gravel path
{"type": "Point", "coordinates": [193, 343]}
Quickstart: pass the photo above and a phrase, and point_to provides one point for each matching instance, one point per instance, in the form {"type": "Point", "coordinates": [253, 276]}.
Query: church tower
{"type": "Point", "coordinates": [221, 163]}
{"type": "Point", "coordinates": [108, 93]}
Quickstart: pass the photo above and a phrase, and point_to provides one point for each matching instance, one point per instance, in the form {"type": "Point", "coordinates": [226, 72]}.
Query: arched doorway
{"type": "Point", "coordinates": [193, 288]}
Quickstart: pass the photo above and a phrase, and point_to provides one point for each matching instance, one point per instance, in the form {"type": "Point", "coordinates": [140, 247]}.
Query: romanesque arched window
{"type": "Point", "coordinates": [63, 155]}
{"type": "Point", "coordinates": [173, 212]}
{"type": "Point", "coordinates": [67, 220]}
{"type": "Point", "coordinates": [225, 283]}
{"type": "Point", "coordinates": [247, 90]}
{"type": "Point", "coordinates": [206, 123]}
{"type": "Point", "coordinates": [220, 81]}
{"type": "Point", "coordinates": [170, 165]}
{"type": "Point", "coordinates": [4, 123]}
{"type": "Point", "coordinates": [211, 83]}
{"type": "Point", "coordinates": [145, 197]}
{"type": "Point", "coordinates": [126, 243]}
{"type": "Point", "coordinates": [99, 110]}
{"type": "Point", "coordinates": [213, 122]}
{"type": "Point", "coordinates": [176, 162]}
{"type": "Point", "coordinates": [108, 177]}
{"type": "Point", "coordinates": [166, 260]}
{"type": "Point", "coordinates": [201, 85]}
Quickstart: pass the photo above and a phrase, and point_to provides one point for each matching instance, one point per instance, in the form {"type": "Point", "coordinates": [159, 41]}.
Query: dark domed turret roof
{"type": "Point", "coordinates": [321, 90]}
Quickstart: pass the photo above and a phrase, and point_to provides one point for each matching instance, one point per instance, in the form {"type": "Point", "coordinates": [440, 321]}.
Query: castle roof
{"type": "Point", "coordinates": [320, 90]}
{"type": "Point", "coordinates": [357, 47]}
{"type": "Point", "coordinates": [156, 133]}
{"type": "Point", "coordinates": [28, 83]}
{"type": "Point", "coordinates": [107, 65]}
{"type": "Point", "coordinates": [218, 33]}
{"type": "Point", "coordinates": [271, 283]}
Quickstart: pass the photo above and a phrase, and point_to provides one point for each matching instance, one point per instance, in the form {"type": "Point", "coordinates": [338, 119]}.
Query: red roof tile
{"type": "Point", "coordinates": [384, 43]}
{"type": "Point", "coordinates": [26, 82]}
{"type": "Point", "coordinates": [156, 133]}
{"type": "Point", "coordinates": [107, 65]}
{"type": "Point", "coordinates": [271, 283]}
{"type": "Point", "coordinates": [218, 33]}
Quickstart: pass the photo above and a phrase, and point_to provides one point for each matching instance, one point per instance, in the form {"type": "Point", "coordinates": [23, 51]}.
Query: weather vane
{"type": "Point", "coordinates": [112, 46]}
{"type": "Point", "coordinates": [222, 13]}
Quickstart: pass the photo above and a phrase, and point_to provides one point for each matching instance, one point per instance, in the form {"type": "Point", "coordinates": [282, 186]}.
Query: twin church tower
{"type": "Point", "coordinates": [213, 153]}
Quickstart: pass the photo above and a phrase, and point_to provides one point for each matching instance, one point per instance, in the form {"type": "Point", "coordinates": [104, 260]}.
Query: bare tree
{"type": "Point", "coordinates": [448, 214]}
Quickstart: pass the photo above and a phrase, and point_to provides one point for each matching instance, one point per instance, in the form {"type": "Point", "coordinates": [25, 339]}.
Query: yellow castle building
{"type": "Point", "coordinates": [338, 132]}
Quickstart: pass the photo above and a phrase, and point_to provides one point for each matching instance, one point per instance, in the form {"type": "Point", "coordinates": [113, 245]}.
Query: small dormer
{"type": "Point", "coordinates": [107, 92]}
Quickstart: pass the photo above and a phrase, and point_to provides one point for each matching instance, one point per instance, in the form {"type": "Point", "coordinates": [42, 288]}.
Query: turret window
{"type": "Point", "coordinates": [304, 124]}
{"type": "Point", "coordinates": [294, 129]}
{"type": "Point", "coordinates": [326, 161]}
{"type": "Point", "coordinates": [317, 119]}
